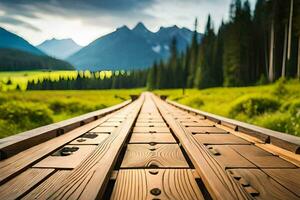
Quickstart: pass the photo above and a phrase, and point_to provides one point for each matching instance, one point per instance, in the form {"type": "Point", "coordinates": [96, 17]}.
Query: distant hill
{"type": "Point", "coordinates": [16, 60]}
{"type": "Point", "coordinates": [130, 49]}
{"type": "Point", "coordinates": [59, 48]}
{"type": "Point", "coordinates": [13, 41]}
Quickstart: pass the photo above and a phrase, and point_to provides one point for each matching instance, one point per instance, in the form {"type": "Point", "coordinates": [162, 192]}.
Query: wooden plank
{"type": "Point", "coordinates": [152, 138]}
{"type": "Point", "coordinates": [283, 153]}
{"type": "Point", "coordinates": [140, 124]}
{"type": "Point", "coordinates": [219, 139]}
{"type": "Point", "coordinates": [283, 140]}
{"type": "Point", "coordinates": [228, 158]}
{"type": "Point", "coordinates": [260, 186]}
{"type": "Point", "coordinates": [90, 139]}
{"type": "Point", "coordinates": [14, 144]}
{"type": "Point", "coordinates": [206, 130]}
{"type": "Point", "coordinates": [289, 178]}
{"type": "Point", "coordinates": [198, 123]}
{"type": "Point", "coordinates": [16, 187]}
{"type": "Point", "coordinates": [103, 129]}
{"type": "Point", "coordinates": [218, 183]}
{"type": "Point", "coordinates": [68, 157]}
{"type": "Point", "coordinates": [24, 159]}
{"type": "Point", "coordinates": [151, 130]}
{"type": "Point", "coordinates": [89, 179]}
{"type": "Point", "coordinates": [159, 155]}
{"type": "Point", "coordinates": [114, 124]}
{"type": "Point", "coordinates": [261, 158]}
{"type": "Point", "coordinates": [156, 184]}
{"type": "Point", "coordinates": [47, 185]}
{"type": "Point", "coordinates": [150, 121]}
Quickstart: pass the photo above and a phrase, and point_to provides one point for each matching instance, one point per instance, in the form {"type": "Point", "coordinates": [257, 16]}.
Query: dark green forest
{"type": "Point", "coordinates": [16, 60]}
{"type": "Point", "coordinates": [253, 47]}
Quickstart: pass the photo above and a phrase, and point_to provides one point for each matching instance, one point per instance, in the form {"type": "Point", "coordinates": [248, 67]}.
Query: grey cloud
{"type": "Point", "coordinates": [17, 22]}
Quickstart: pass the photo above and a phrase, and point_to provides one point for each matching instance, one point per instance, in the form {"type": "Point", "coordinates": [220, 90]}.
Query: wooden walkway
{"type": "Point", "coordinates": [150, 149]}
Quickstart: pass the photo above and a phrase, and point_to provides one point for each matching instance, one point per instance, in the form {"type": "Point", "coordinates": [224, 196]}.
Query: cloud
{"type": "Point", "coordinates": [17, 22]}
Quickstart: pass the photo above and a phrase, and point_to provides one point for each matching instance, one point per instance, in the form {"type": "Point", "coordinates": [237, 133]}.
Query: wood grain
{"type": "Point", "coordinates": [103, 129]}
{"type": "Point", "coordinates": [228, 158]}
{"type": "Point", "coordinates": [172, 184]}
{"type": "Point", "coordinates": [151, 130]}
{"type": "Point", "coordinates": [159, 155]}
{"type": "Point", "coordinates": [141, 124]}
{"type": "Point", "coordinates": [16, 187]}
{"type": "Point", "coordinates": [47, 185]}
{"type": "Point", "coordinates": [86, 140]}
{"type": "Point", "coordinates": [219, 139]}
{"type": "Point", "coordinates": [257, 184]}
{"type": "Point", "coordinates": [67, 162]}
{"type": "Point", "coordinates": [24, 159]}
{"type": "Point", "coordinates": [216, 180]}
{"type": "Point", "coordinates": [261, 158]}
{"type": "Point", "coordinates": [152, 138]}
{"type": "Point", "coordinates": [289, 178]}
{"type": "Point", "coordinates": [89, 179]}
{"type": "Point", "coordinates": [206, 130]}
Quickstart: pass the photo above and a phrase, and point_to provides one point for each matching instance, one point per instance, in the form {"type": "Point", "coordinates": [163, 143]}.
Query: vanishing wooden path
{"type": "Point", "coordinates": [150, 149]}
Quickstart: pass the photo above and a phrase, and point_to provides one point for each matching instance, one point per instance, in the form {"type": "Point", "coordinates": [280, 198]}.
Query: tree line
{"type": "Point", "coordinates": [117, 80]}
{"type": "Point", "coordinates": [250, 48]}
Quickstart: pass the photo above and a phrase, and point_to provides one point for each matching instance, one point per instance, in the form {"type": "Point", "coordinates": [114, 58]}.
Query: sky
{"type": "Point", "coordinates": [87, 20]}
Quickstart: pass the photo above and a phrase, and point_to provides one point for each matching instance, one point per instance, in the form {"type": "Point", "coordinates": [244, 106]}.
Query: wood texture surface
{"type": "Point", "coordinates": [16, 187]}
{"type": "Point", "coordinates": [258, 185]}
{"type": "Point", "coordinates": [89, 179]}
{"type": "Point", "coordinates": [137, 138]}
{"type": "Point", "coordinates": [69, 161]}
{"type": "Point", "coordinates": [171, 184]}
{"type": "Point", "coordinates": [159, 155]}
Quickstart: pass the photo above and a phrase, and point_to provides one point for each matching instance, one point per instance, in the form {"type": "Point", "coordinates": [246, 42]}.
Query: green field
{"type": "Point", "coordinates": [275, 106]}
{"type": "Point", "coordinates": [21, 111]}
{"type": "Point", "coordinates": [10, 80]}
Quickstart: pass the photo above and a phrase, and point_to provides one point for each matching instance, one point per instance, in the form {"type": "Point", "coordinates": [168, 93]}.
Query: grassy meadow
{"type": "Point", "coordinates": [25, 110]}
{"type": "Point", "coordinates": [275, 106]}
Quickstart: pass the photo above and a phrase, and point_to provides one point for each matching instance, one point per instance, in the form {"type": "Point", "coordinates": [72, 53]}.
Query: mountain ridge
{"type": "Point", "coordinates": [13, 41]}
{"type": "Point", "coordinates": [59, 48]}
{"type": "Point", "coordinates": [135, 48]}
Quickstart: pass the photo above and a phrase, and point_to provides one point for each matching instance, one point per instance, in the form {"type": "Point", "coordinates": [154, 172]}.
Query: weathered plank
{"type": "Point", "coordinates": [14, 165]}
{"type": "Point", "coordinates": [16, 187]}
{"type": "Point", "coordinates": [47, 185]}
{"type": "Point", "coordinates": [172, 184]}
{"type": "Point", "coordinates": [151, 138]}
{"type": "Point", "coordinates": [260, 186]}
{"type": "Point", "coordinates": [159, 155]}
{"type": "Point", "coordinates": [89, 179]}
{"type": "Point", "coordinates": [67, 157]}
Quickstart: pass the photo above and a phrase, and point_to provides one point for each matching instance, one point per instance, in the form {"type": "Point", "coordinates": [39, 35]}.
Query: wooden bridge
{"type": "Point", "coordinates": [152, 149]}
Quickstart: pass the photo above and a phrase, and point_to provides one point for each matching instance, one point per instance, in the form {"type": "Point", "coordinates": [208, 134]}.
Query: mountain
{"type": "Point", "coordinates": [16, 60]}
{"type": "Point", "coordinates": [59, 48]}
{"type": "Point", "coordinates": [13, 41]}
{"type": "Point", "coordinates": [126, 48]}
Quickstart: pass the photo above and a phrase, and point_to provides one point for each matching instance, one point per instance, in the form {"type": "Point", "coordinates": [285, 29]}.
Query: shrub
{"type": "Point", "coordinates": [73, 107]}
{"type": "Point", "coordinates": [253, 105]}
{"type": "Point", "coordinates": [280, 88]}
{"type": "Point", "coordinates": [195, 102]}
{"type": "Point", "coordinates": [279, 122]}
{"type": "Point", "coordinates": [25, 115]}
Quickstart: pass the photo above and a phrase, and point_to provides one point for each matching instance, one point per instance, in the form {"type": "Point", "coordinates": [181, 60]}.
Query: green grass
{"type": "Point", "coordinates": [21, 111]}
{"type": "Point", "coordinates": [22, 77]}
{"type": "Point", "coordinates": [275, 106]}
